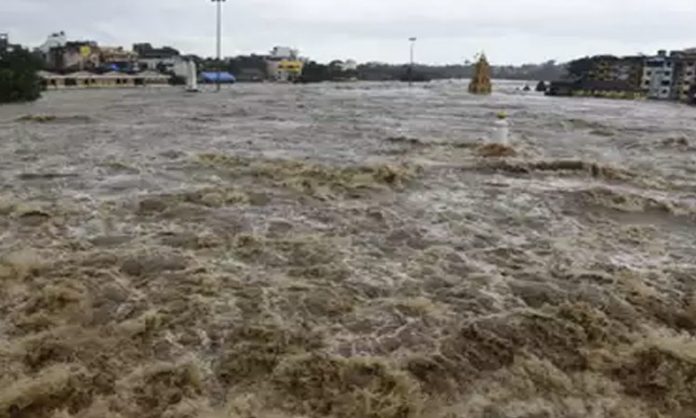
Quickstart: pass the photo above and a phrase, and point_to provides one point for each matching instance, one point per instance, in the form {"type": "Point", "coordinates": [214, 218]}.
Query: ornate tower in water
{"type": "Point", "coordinates": [481, 80]}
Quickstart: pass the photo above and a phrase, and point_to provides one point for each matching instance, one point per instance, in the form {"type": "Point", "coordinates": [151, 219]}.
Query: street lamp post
{"type": "Point", "coordinates": [410, 71]}
{"type": "Point", "coordinates": [219, 38]}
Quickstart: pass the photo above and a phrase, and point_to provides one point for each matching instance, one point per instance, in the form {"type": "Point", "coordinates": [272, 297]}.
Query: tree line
{"type": "Point", "coordinates": [19, 81]}
{"type": "Point", "coordinates": [333, 71]}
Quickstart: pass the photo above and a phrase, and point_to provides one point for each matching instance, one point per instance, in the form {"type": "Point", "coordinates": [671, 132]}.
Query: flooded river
{"type": "Point", "coordinates": [346, 250]}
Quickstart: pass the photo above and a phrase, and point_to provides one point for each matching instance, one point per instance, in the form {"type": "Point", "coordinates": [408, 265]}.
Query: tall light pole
{"type": "Point", "coordinates": [410, 71]}
{"type": "Point", "coordinates": [219, 38]}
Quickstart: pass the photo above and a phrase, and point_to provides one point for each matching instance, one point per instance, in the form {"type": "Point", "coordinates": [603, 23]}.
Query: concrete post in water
{"type": "Point", "coordinates": [501, 130]}
{"type": "Point", "coordinates": [192, 77]}
{"type": "Point", "coordinates": [410, 68]}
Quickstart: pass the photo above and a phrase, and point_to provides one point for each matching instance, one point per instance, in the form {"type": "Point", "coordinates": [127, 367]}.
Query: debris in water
{"type": "Point", "coordinates": [496, 150]}
{"type": "Point", "coordinates": [37, 118]}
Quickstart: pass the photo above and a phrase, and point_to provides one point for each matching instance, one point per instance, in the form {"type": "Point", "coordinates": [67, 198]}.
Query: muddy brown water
{"type": "Point", "coordinates": [346, 250]}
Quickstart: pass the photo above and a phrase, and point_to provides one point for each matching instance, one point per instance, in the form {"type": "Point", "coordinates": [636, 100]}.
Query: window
{"type": "Point", "coordinates": [668, 74]}
{"type": "Point", "coordinates": [665, 91]}
{"type": "Point", "coordinates": [689, 73]}
{"type": "Point", "coordinates": [666, 82]}
{"type": "Point", "coordinates": [647, 82]}
{"type": "Point", "coordinates": [649, 73]}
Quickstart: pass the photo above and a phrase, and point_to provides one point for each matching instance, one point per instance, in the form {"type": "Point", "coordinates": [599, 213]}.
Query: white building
{"type": "Point", "coordinates": [658, 76]}
{"type": "Point", "coordinates": [154, 64]}
{"type": "Point", "coordinates": [54, 40]}
{"type": "Point", "coordinates": [284, 52]}
{"type": "Point", "coordinates": [157, 59]}
{"type": "Point", "coordinates": [283, 64]}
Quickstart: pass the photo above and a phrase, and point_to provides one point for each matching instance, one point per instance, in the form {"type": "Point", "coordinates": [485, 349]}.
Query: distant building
{"type": "Point", "coordinates": [54, 40]}
{"type": "Point", "coordinates": [117, 58]}
{"type": "Point", "coordinates": [284, 64]}
{"type": "Point", "coordinates": [285, 70]}
{"type": "Point", "coordinates": [610, 89]}
{"type": "Point", "coordinates": [4, 42]}
{"type": "Point", "coordinates": [284, 52]}
{"type": "Point", "coordinates": [658, 76]}
{"type": "Point", "coordinates": [663, 77]}
{"type": "Point", "coordinates": [601, 68]}
{"type": "Point", "coordinates": [156, 59]}
{"type": "Point", "coordinates": [684, 79]}
{"type": "Point", "coordinates": [87, 80]}
{"type": "Point", "coordinates": [59, 54]}
{"type": "Point", "coordinates": [627, 71]}
{"type": "Point", "coordinates": [74, 56]}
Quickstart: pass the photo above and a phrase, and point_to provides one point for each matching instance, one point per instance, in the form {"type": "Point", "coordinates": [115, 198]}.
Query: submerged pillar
{"type": "Point", "coordinates": [192, 77]}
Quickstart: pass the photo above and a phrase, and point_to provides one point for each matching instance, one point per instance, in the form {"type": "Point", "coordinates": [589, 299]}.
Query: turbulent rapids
{"type": "Point", "coordinates": [347, 251]}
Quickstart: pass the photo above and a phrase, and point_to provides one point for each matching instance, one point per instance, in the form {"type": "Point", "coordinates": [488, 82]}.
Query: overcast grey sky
{"type": "Point", "coordinates": [448, 31]}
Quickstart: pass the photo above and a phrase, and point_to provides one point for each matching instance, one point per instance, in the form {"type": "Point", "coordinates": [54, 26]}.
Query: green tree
{"type": "Point", "coordinates": [19, 81]}
{"type": "Point", "coordinates": [579, 68]}
{"type": "Point", "coordinates": [314, 72]}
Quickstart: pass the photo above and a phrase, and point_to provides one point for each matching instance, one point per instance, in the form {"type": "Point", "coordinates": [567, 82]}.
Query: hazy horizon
{"type": "Point", "coordinates": [448, 31]}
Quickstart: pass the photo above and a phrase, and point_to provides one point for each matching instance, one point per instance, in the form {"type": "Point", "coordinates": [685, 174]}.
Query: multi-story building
{"type": "Point", "coordinates": [603, 76]}
{"type": "Point", "coordinates": [117, 54]}
{"type": "Point", "coordinates": [607, 68]}
{"type": "Point", "coordinates": [629, 70]}
{"type": "Point", "coordinates": [658, 76]}
{"type": "Point", "coordinates": [684, 75]}
{"type": "Point", "coordinates": [665, 76]}
{"type": "Point", "coordinates": [74, 56]}
{"type": "Point", "coordinates": [284, 64]}
{"type": "Point", "coordinates": [601, 68]}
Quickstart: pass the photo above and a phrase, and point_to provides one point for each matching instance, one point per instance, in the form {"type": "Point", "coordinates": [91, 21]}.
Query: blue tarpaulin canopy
{"type": "Point", "coordinates": [212, 77]}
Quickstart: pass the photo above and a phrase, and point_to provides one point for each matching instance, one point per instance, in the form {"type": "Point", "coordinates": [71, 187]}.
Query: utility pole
{"type": "Point", "coordinates": [219, 39]}
{"type": "Point", "coordinates": [410, 71]}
